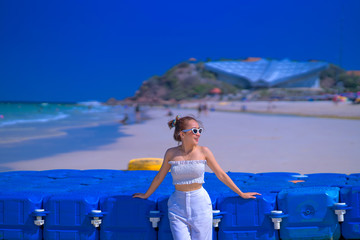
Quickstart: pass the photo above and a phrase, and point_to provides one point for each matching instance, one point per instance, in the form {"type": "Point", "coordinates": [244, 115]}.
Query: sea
{"type": "Point", "coordinates": [33, 130]}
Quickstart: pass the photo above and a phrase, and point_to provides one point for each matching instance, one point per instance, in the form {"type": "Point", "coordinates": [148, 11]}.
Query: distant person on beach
{"type": "Point", "coordinates": [271, 105]}
{"type": "Point", "coordinates": [190, 207]}
{"type": "Point", "coordinates": [243, 108]}
{"type": "Point", "coordinates": [205, 109]}
{"type": "Point", "coordinates": [137, 113]}
{"type": "Point", "coordinates": [125, 119]}
{"type": "Point", "coordinates": [199, 109]}
{"type": "Point", "coordinates": [169, 113]}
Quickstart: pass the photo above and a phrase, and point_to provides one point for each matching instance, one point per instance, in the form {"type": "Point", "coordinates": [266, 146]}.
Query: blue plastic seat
{"type": "Point", "coordinates": [69, 216]}
{"type": "Point", "coordinates": [246, 218]}
{"type": "Point", "coordinates": [310, 213]}
{"type": "Point", "coordinates": [351, 225]}
{"type": "Point", "coordinates": [16, 214]}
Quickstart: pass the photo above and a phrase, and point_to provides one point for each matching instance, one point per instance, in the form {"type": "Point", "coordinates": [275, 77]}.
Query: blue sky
{"type": "Point", "coordinates": [94, 50]}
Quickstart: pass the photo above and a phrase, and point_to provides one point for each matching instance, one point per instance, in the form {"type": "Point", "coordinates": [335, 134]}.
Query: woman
{"type": "Point", "coordinates": [190, 208]}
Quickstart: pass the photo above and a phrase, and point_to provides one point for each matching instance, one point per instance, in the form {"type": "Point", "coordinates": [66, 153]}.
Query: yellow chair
{"type": "Point", "coordinates": [145, 164]}
{"type": "Point", "coordinates": [223, 103]}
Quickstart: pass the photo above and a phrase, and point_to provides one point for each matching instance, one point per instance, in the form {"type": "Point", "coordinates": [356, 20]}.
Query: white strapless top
{"type": "Point", "coordinates": [188, 171]}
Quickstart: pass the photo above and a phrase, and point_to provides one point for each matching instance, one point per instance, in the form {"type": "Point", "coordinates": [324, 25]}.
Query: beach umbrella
{"type": "Point", "coordinates": [215, 91]}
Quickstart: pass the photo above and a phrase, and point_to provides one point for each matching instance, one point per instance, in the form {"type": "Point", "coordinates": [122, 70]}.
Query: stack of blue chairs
{"type": "Point", "coordinates": [98, 204]}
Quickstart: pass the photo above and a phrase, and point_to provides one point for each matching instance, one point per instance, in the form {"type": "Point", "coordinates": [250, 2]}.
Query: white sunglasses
{"type": "Point", "coordinates": [194, 130]}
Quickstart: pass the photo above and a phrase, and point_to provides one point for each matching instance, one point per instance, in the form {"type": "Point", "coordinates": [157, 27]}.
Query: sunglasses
{"type": "Point", "coordinates": [194, 130]}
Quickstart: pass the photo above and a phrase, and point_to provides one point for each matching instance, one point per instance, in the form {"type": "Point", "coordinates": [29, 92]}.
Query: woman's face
{"type": "Point", "coordinates": [189, 136]}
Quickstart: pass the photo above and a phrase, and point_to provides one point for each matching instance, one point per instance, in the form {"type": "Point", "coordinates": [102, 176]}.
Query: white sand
{"type": "Point", "coordinates": [240, 142]}
{"type": "Point", "coordinates": [304, 108]}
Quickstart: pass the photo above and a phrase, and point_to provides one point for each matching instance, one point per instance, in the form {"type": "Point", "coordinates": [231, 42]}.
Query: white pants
{"type": "Point", "coordinates": [190, 215]}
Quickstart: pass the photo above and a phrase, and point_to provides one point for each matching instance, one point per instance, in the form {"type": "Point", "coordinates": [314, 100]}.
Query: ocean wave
{"type": "Point", "coordinates": [35, 120]}
{"type": "Point", "coordinates": [96, 110]}
{"type": "Point", "coordinates": [93, 107]}
{"type": "Point", "coordinates": [91, 103]}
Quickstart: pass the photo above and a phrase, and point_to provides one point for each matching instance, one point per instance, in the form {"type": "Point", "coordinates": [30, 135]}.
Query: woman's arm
{"type": "Point", "coordinates": [165, 167]}
{"type": "Point", "coordinates": [222, 176]}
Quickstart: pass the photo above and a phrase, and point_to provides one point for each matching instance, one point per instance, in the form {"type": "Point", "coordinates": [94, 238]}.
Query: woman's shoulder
{"type": "Point", "coordinates": [204, 149]}
{"type": "Point", "coordinates": [172, 149]}
{"type": "Point", "coordinates": [170, 152]}
{"type": "Point", "coordinates": [206, 152]}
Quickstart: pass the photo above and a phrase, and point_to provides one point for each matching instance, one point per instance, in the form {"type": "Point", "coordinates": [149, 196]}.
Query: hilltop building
{"type": "Point", "coordinates": [258, 73]}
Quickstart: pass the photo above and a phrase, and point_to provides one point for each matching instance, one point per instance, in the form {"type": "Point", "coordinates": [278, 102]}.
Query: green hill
{"type": "Point", "coordinates": [191, 81]}
{"type": "Point", "coordinates": [183, 81]}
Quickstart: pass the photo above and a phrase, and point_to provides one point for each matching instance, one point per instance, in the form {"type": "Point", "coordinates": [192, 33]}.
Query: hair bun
{"type": "Point", "coordinates": [172, 123]}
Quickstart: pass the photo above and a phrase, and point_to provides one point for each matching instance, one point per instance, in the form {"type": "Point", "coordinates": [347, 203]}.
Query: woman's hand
{"type": "Point", "coordinates": [249, 195]}
{"type": "Point", "coordinates": [139, 195]}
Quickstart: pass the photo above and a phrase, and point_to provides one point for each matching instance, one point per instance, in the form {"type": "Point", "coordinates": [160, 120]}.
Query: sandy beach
{"type": "Point", "coordinates": [326, 109]}
{"type": "Point", "coordinates": [241, 142]}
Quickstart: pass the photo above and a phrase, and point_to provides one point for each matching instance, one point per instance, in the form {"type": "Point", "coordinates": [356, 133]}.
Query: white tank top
{"type": "Point", "coordinates": [187, 171]}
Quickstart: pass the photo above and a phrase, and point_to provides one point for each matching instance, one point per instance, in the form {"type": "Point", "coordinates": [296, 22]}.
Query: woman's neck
{"type": "Point", "coordinates": [187, 149]}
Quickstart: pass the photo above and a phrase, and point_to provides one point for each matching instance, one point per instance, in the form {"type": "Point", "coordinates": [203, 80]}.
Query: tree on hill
{"type": "Point", "coordinates": [336, 78]}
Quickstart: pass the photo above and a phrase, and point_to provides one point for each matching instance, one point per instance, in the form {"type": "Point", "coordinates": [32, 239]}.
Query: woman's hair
{"type": "Point", "coordinates": [179, 123]}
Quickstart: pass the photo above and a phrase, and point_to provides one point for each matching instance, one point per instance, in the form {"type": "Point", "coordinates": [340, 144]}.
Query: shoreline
{"type": "Point", "coordinates": [73, 139]}
{"type": "Point", "coordinates": [318, 109]}
{"type": "Point", "coordinates": [56, 132]}
{"type": "Point", "coordinates": [292, 114]}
